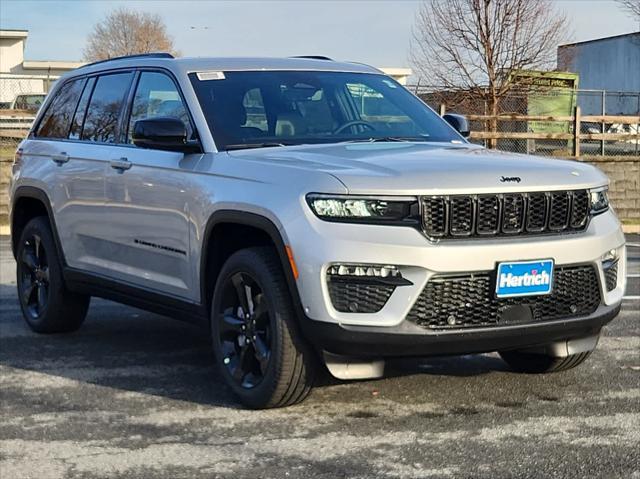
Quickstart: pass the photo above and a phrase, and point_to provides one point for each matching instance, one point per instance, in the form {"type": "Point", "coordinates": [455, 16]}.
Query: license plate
{"type": "Point", "coordinates": [524, 278]}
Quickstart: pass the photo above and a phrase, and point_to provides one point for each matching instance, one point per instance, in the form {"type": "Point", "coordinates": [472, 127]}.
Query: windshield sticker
{"type": "Point", "coordinates": [205, 76]}
{"type": "Point", "coordinates": [390, 84]}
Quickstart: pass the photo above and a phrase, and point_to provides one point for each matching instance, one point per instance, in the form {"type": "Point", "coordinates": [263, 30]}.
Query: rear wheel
{"type": "Point", "coordinates": [256, 340]}
{"type": "Point", "coordinates": [541, 363]}
{"type": "Point", "coordinates": [47, 306]}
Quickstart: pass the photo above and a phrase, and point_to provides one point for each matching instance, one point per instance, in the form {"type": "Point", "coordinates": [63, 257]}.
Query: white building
{"type": "Point", "coordinates": [401, 75]}
{"type": "Point", "coordinates": [18, 75]}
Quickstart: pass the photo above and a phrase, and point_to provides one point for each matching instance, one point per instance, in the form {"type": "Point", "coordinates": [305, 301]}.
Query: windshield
{"type": "Point", "coordinates": [248, 109]}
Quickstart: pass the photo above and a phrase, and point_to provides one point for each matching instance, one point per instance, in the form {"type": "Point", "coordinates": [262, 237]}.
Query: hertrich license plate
{"type": "Point", "coordinates": [524, 278]}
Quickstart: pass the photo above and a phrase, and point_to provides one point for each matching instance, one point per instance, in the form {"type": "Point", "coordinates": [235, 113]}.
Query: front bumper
{"type": "Point", "coordinates": [407, 339]}
{"type": "Point", "coordinates": [317, 245]}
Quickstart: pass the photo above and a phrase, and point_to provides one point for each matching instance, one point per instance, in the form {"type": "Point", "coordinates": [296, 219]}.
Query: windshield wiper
{"type": "Point", "coordinates": [246, 146]}
{"type": "Point", "coordinates": [401, 139]}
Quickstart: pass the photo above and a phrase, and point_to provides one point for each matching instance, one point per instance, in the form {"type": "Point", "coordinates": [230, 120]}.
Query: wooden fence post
{"type": "Point", "coordinates": [443, 109]}
{"type": "Point", "coordinates": [576, 131]}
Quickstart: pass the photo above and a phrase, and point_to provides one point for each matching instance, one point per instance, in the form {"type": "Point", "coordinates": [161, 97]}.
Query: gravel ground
{"type": "Point", "coordinates": [134, 394]}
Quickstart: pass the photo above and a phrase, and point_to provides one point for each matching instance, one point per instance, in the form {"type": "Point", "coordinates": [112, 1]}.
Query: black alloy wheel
{"type": "Point", "coordinates": [245, 330]}
{"type": "Point", "coordinates": [34, 276]}
{"type": "Point", "coordinates": [47, 305]}
{"type": "Point", "coordinates": [256, 337]}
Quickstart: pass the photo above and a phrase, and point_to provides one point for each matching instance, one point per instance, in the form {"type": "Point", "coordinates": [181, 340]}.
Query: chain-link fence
{"type": "Point", "coordinates": [23, 91]}
{"type": "Point", "coordinates": [20, 99]}
{"type": "Point", "coordinates": [541, 104]}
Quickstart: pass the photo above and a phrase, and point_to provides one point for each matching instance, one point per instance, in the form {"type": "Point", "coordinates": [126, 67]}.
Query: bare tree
{"type": "Point", "coordinates": [475, 46]}
{"type": "Point", "coordinates": [631, 6]}
{"type": "Point", "coordinates": [126, 32]}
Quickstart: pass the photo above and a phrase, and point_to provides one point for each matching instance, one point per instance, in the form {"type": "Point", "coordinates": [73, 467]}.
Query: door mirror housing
{"type": "Point", "coordinates": [459, 123]}
{"type": "Point", "coordinates": [163, 133]}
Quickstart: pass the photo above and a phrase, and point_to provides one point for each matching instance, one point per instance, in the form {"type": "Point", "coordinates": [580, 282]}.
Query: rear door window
{"type": "Point", "coordinates": [57, 120]}
{"type": "Point", "coordinates": [103, 113]}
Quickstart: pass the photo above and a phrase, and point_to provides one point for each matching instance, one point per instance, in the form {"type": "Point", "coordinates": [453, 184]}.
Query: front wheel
{"type": "Point", "coordinates": [531, 363]}
{"type": "Point", "coordinates": [256, 339]}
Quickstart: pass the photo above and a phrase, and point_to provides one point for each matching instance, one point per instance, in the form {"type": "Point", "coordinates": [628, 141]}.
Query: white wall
{"type": "Point", "coordinates": [11, 54]}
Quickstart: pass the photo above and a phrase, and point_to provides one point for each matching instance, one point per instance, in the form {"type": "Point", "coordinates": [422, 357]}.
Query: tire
{"type": "Point", "coordinates": [47, 306]}
{"type": "Point", "coordinates": [261, 355]}
{"type": "Point", "coordinates": [541, 363]}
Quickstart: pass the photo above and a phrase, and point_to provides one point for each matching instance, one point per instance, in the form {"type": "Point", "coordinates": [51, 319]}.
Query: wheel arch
{"type": "Point", "coordinates": [28, 202]}
{"type": "Point", "coordinates": [211, 256]}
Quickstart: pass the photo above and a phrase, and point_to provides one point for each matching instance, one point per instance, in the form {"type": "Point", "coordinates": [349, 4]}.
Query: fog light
{"type": "Point", "coordinates": [366, 270]}
{"type": "Point", "coordinates": [610, 256]}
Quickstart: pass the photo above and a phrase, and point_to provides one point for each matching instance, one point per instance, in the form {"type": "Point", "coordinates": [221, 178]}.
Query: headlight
{"type": "Point", "coordinates": [599, 200]}
{"type": "Point", "coordinates": [359, 209]}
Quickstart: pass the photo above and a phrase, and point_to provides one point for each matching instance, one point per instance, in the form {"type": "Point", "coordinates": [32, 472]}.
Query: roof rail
{"type": "Point", "coordinates": [314, 57]}
{"type": "Point", "coordinates": [126, 57]}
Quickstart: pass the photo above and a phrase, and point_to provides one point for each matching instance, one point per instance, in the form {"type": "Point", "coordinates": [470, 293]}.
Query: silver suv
{"type": "Point", "coordinates": [305, 211]}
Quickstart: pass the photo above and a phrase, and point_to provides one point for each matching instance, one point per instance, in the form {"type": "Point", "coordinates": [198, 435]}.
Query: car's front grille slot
{"type": "Point", "coordinates": [580, 209]}
{"type": "Point", "coordinates": [536, 212]}
{"type": "Point", "coordinates": [559, 211]}
{"type": "Point", "coordinates": [461, 216]}
{"type": "Point", "coordinates": [467, 301]}
{"type": "Point", "coordinates": [435, 216]}
{"type": "Point", "coordinates": [488, 215]}
{"type": "Point", "coordinates": [513, 214]}
{"type": "Point", "coordinates": [508, 214]}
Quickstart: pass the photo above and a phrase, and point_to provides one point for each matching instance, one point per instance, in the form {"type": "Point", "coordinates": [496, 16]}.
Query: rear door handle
{"type": "Point", "coordinates": [60, 158]}
{"type": "Point", "coordinates": [121, 165]}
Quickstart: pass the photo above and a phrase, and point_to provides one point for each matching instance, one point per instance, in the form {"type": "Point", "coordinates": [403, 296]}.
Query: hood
{"type": "Point", "coordinates": [430, 168]}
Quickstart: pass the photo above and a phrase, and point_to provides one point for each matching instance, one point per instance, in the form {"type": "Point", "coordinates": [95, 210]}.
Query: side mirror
{"type": "Point", "coordinates": [162, 133]}
{"type": "Point", "coordinates": [459, 123]}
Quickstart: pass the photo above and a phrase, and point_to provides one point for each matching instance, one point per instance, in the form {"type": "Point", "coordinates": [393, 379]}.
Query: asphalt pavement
{"type": "Point", "coordinates": [133, 394]}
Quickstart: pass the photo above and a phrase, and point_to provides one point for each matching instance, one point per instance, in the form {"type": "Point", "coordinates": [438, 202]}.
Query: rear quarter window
{"type": "Point", "coordinates": [57, 119]}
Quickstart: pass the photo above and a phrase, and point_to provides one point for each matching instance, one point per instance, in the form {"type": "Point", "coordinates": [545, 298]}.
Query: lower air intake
{"type": "Point", "coordinates": [468, 301]}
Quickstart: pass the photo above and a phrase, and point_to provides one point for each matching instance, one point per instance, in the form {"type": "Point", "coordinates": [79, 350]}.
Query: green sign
{"type": "Point", "coordinates": [549, 94]}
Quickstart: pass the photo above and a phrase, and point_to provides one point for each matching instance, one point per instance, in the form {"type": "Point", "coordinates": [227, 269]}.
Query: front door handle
{"type": "Point", "coordinates": [121, 165]}
{"type": "Point", "coordinates": [60, 159]}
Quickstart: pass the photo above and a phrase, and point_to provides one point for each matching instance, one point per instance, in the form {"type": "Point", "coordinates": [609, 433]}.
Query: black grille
{"type": "Point", "coordinates": [469, 301]}
{"type": "Point", "coordinates": [348, 296]}
{"type": "Point", "coordinates": [505, 214]}
{"type": "Point", "coordinates": [435, 215]}
{"type": "Point", "coordinates": [611, 275]}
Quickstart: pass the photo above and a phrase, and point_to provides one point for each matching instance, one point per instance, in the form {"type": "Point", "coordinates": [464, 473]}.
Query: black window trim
{"type": "Point", "coordinates": [86, 77]}
{"type": "Point", "coordinates": [128, 99]}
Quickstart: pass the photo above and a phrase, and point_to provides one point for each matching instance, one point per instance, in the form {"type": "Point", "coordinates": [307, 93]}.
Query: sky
{"type": "Point", "coordinates": [373, 32]}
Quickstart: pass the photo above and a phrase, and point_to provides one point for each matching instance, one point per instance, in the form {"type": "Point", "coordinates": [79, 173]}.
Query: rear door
{"type": "Point", "coordinates": [148, 197]}
{"type": "Point", "coordinates": [75, 183]}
